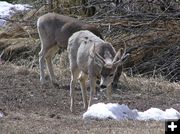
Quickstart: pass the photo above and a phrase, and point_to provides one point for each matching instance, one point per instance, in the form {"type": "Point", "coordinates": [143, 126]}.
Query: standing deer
{"type": "Point", "coordinates": [91, 57]}
{"type": "Point", "coordinates": [54, 31]}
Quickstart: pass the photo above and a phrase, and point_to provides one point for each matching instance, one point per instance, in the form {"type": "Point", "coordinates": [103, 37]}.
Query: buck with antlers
{"type": "Point", "coordinates": [91, 57]}
{"type": "Point", "coordinates": [54, 31]}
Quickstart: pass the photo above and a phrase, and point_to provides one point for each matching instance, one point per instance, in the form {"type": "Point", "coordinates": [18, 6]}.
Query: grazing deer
{"type": "Point", "coordinates": [91, 57]}
{"type": "Point", "coordinates": [54, 31]}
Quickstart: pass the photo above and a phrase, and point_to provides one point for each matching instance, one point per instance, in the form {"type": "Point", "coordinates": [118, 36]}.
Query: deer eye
{"type": "Point", "coordinates": [111, 75]}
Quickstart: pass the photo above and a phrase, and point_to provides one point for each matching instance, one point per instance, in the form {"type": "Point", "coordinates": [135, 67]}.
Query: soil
{"type": "Point", "coordinates": [30, 109]}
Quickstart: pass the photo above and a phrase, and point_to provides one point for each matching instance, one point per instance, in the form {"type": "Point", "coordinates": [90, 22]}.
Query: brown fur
{"type": "Point", "coordinates": [54, 31]}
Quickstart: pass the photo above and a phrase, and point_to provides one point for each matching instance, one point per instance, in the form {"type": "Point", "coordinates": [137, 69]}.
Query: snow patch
{"type": "Point", "coordinates": [8, 9]}
{"type": "Point", "coordinates": [123, 112]}
{"type": "Point", "coordinates": [1, 114]}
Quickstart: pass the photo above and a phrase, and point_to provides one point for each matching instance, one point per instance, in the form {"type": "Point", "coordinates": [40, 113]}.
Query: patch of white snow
{"type": "Point", "coordinates": [8, 9]}
{"type": "Point", "coordinates": [122, 112]}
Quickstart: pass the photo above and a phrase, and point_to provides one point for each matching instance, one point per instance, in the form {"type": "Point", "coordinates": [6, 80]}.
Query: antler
{"type": "Point", "coordinates": [124, 55]}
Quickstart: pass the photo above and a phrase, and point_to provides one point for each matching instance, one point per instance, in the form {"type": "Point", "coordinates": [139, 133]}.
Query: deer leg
{"type": "Point", "coordinates": [49, 56]}
{"type": "Point", "coordinates": [50, 69]}
{"type": "Point", "coordinates": [82, 79]}
{"type": "Point", "coordinates": [109, 92]}
{"type": "Point", "coordinates": [74, 76]}
{"type": "Point", "coordinates": [92, 89]}
{"type": "Point", "coordinates": [116, 77]}
{"type": "Point", "coordinates": [42, 65]}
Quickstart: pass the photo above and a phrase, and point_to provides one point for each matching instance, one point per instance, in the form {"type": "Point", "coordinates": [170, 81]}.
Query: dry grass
{"type": "Point", "coordinates": [48, 126]}
{"type": "Point", "coordinates": [149, 84]}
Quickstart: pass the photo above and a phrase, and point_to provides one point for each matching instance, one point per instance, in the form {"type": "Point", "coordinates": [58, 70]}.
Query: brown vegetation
{"type": "Point", "coordinates": [153, 73]}
{"type": "Point", "coordinates": [152, 37]}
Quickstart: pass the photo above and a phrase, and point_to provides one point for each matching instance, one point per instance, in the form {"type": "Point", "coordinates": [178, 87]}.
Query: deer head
{"type": "Point", "coordinates": [108, 67]}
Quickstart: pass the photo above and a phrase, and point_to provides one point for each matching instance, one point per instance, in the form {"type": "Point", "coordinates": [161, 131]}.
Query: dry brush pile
{"type": "Point", "coordinates": [150, 29]}
{"type": "Point", "coordinates": [153, 45]}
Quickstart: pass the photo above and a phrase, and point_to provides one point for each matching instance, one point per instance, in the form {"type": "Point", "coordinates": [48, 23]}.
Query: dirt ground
{"type": "Point", "coordinates": [29, 109]}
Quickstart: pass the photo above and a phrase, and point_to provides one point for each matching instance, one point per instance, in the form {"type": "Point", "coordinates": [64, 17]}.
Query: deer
{"type": "Point", "coordinates": [54, 31]}
{"type": "Point", "coordinates": [90, 58]}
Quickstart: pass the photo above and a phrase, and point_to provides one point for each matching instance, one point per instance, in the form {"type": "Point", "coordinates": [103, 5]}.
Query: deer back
{"type": "Point", "coordinates": [58, 28]}
{"type": "Point", "coordinates": [82, 43]}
